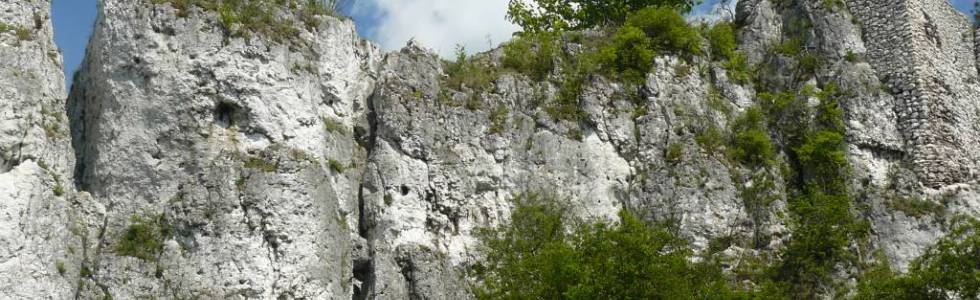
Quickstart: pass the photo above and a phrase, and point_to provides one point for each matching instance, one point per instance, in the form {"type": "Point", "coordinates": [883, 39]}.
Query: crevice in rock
{"type": "Point", "coordinates": [363, 269]}
{"type": "Point", "coordinates": [406, 269]}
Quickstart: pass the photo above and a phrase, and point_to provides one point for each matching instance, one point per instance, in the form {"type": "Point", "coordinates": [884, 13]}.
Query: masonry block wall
{"type": "Point", "coordinates": [924, 52]}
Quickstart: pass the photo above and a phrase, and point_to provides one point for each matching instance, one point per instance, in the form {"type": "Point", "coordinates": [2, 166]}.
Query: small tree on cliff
{"type": "Point", "coordinates": [556, 15]}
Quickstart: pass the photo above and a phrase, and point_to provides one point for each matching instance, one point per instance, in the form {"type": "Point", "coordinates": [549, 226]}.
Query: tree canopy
{"type": "Point", "coordinates": [536, 256]}
{"type": "Point", "coordinates": [558, 15]}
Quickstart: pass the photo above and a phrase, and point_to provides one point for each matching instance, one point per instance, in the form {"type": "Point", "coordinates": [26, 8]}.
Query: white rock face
{"type": "Point", "coordinates": [439, 170]}
{"type": "Point", "coordinates": [225, 146]}
{"type": "Point", "coordinates": [37, 250]}
{"type": "Point", "coordinates": [311, 166]}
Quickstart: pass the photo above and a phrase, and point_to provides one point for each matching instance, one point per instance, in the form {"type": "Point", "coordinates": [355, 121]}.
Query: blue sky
{"type": "Point", "coordinates": [438, 24]}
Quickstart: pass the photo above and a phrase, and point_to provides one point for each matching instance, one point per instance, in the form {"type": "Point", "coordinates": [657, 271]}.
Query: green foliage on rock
{"type": "Point", "coordinates": [721, 37]}
{"type": "Point", "coordinates": [629, 57]}
{"type": "Point", "coordinates": [22, 33]}
{"type": "Point", "coordinates": [274, 19]}
{"type": "Point", "coordinates": [498, 119]}
{"type": "Point", "coordinates": [948, 270]}
{"type": "Point", "coordinates": [532, 54]}
{"type": "Point", "coordinates": [667, 30]}
{"type": "Point", "coordinates": [824, 228]}
{"type": "Point", "coordinates": [468, 73]}
{"type": "Point", "coordinates": [143, 238]}
{"type": "Point", "coordinates": [559, 15]}
{"type": "Point", "coordinates": [751, 144]}
{"type": "Point", "coordinates": [544, 253]}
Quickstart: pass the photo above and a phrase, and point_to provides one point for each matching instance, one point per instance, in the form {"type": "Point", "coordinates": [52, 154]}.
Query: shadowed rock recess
{"type": "Point", "coordinates": [197, 157]}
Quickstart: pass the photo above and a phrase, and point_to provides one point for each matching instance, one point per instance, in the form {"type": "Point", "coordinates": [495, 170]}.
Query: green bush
{"type": "Point", "coordinates": [791, 47]}
{"type": "Point", "coordinates": [667, 30]}
{"type": "Point", "coordinates": [532, 54]}
{"type": "Point", "coordinates": [710, 139]}
{"type": "Point", "coordinates": [810, 63]}
{"type": "Point", "coordinates": [824, 228]}
{"type": "Point", "coordinates": [629, 56]}
{"type": "Point", "coordinates": [751, 143]}
{"type": "Point", "coordinates": [916, 207]}
{"type": "Point", "coordinates": [466, 72]}
{"type": "Point", "coordinates": [559, 15]}
{"type": "Point", "coordinates": [498, 119]}
{"type": "Point", "coordinates": [143, 238]}
{"type": "Point", "coordinates": [738, 68]}
{"type": "Point", "coordinates": [543, 253]}
{"type": "Point", "coordinates": [948, 270]}
{"type": "Point", "coordinates": [721, 37]}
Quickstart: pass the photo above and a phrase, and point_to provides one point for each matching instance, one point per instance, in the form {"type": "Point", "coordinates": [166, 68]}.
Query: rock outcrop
{"type": "Point", "coordinates": [37, 251]}
{"type": "Point", "coordinates": [193, 161]}
{"type": "Point", "coordinates": [238, 151]}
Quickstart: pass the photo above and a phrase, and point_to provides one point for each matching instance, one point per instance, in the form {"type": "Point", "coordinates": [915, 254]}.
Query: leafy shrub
{"type": "Point", "coordinates": [738, 68]}
{"type": "Point", "coordinates": [791, 47]}
{"type": "Point", "coordinates": [810, 63]}
{"type": "Point", "coordinates": [667, 30]}
{"type": "Point", "coordinates": [821, 206]}
{"type": "Point", "coordinates": [721, 37]}
{"type": "Point", "coordinates": [675, 152]}
{"type": "Point", "coordinates": [629, 56]}
{"type": "Point", "coordinates": [498, 119]}
{"type": "Point", "coordinates": [143, 238]}
{"type": "Point", "coordinates": [751, 143]}
{"type": "Point", "coordinates": [532, 54]}
{"type": "Point", "coordinates": [916, 207]}
{"type": "Point", "coordinates": [535, 256]}
{"type": "Point", "coordinates": [819, 243]}
{"type": "Point", "coordinates": [566, 104]}
{"type": "Point", "coordinates": [559, 15]}
{"type": "Point", "coordinates": [466, 72]}
{"type": "Point", "coordinates": [823, 158]}
{"type": "Point", "coordinates": [947, 270]}
{"type": "Point", "coordinates": [710, 139]}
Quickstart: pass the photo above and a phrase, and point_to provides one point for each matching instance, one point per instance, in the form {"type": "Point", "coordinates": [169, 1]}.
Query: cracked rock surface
{"type": "Point", "coordinates": [37, 252]}
{"type": "Point", "coordinates": [317, 167]}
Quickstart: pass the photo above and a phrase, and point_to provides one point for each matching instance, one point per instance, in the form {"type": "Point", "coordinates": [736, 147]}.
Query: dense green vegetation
{"type": "Point", "coordinates": [559, 15]}
{"type": "Point", "coordinates": [544, 253]}
{"type": "Point", "coordinates": [948, 270]}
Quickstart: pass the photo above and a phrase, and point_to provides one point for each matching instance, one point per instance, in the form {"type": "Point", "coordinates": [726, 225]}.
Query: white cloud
{"type": "Point", "coordinates": [438, 24]}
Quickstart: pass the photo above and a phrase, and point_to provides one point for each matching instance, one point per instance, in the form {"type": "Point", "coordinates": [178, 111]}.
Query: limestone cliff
{"type": "Point", "coordinates": [195, 159]}
{"type": "Point", "coordinates": [38, 252]}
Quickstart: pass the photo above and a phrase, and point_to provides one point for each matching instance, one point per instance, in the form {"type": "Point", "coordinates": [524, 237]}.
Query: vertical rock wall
{"type": "Point", "coordinates": [238, 151]}
{"type": "Point", "coordinates": [306, 166]}
{"type": "Point", "coordinates": [36, 259]}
